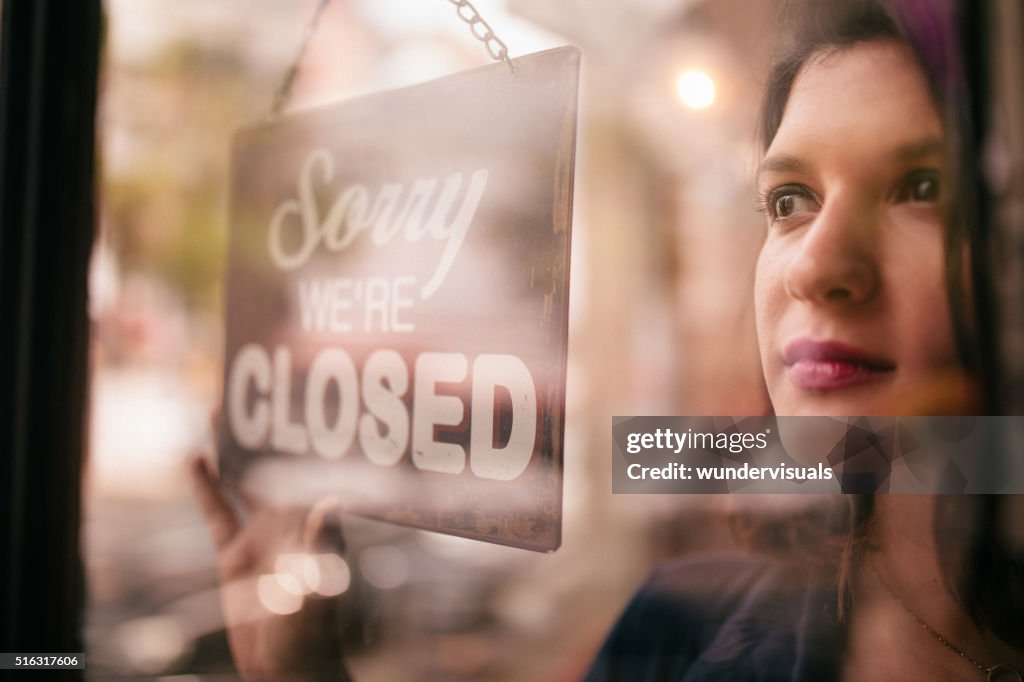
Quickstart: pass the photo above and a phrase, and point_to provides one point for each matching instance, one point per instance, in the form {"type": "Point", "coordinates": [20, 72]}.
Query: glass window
{"type": "Point", "coordinates": [667, 298]}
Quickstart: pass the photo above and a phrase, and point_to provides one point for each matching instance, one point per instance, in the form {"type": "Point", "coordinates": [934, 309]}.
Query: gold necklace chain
{"type": "Point", "coordinates": [990, 670]}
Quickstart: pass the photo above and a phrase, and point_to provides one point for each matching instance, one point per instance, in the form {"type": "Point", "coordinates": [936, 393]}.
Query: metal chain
{"type": "Point", "coordinates": [482, 31]}
{"type": "Point", "coordinates": [928, 628]}
{"type": "Point", "coordinates": [285, 89]}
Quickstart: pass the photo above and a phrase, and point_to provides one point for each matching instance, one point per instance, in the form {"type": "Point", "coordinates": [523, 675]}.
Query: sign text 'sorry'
{"type": "Point", "coordinates": [351, 215]}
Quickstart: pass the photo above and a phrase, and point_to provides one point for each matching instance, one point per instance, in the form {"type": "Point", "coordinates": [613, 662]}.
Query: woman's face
{"type": "Point", "coordinates": [852, 310]}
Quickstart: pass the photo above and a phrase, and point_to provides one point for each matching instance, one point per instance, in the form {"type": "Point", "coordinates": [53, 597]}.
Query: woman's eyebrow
{"type": "Point", "coordinates": [920, 149]}
{"type": "Point", "coordinates": [916, 150]}
{"type": "Point", "coordinates": [782, 163]}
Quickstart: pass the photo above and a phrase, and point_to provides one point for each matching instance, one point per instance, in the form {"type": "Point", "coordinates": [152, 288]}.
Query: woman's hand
{"type": "Point", "coordinates": [301, 645]}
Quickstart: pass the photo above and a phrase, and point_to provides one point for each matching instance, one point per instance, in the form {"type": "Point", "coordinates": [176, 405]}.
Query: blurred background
{"type": "Point", "coordinates": [665, 236]}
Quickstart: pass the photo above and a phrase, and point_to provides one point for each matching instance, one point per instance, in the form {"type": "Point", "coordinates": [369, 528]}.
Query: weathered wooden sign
{"type": "Point", "coordinates": [397, 303]}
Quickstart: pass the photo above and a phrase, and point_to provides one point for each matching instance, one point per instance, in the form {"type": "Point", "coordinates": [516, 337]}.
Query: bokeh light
{"type": "Point", "coordinates": [696, 89]}
{"type": "Point", "coordinates": [274, 597]}
{"type": "Point", "coordinates": [335, 576]}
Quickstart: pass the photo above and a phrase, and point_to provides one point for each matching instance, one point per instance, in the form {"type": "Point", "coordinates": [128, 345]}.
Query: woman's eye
{"type": "Point", "coordinates": [785, 202]}
{"type": "Point", "coordinates": [921, 187]}
{"type": "Point", "coordinates": [785, 205]}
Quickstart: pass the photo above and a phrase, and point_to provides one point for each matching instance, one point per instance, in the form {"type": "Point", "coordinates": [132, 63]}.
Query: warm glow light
{"type": "Point", "coordinates": [274, 597]}
{"type": "Point", "coordinates": [297, 573]}
{"type": "Point", "coordinates": [696, 89]}
{"type": "Point", "coordinates": [334, 575]}
{"type": "Point", "coordinates": [153, 643]}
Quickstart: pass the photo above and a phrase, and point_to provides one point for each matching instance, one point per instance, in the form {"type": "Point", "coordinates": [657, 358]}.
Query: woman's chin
{"type": "Point", "coordinates": [861, 400]}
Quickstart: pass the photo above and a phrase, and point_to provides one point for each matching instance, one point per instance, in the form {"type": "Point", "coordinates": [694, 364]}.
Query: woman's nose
{"type": "Point", "coordinates": [835, 260]}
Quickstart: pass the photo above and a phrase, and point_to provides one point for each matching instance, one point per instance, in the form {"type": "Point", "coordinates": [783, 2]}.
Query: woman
{"type": "Point", "coordinates": [858, 185]}
{"type": "Point", "coordinates": [854, 317]}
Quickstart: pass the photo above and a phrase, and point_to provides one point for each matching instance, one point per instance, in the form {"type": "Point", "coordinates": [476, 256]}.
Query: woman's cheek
{"type": "Point", "coordinates": [931, 326]}
{"type": "Point", "coordinates": [769, 300]}
{"type": "Point", "coordinates": [918, 282]}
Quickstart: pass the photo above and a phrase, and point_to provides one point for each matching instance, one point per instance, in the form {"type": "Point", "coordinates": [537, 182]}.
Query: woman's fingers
{"type": "Point", "coordinates": [215, 423]}
{"type": "Point", "coordinates": [322, 528]}
{"type": "Point", "coordinates": [220, 515]}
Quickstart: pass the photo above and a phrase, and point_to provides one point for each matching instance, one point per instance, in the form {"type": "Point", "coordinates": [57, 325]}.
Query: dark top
{"type": "Point", "coordinates": [725, 618]}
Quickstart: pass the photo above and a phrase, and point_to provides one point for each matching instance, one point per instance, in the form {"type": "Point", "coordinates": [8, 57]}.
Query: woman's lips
{"type": "Point", "coordinates": [828, 365]}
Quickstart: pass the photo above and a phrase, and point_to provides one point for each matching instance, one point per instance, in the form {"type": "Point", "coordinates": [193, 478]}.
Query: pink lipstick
{"type": "Point", "coordinates": [830, 365]}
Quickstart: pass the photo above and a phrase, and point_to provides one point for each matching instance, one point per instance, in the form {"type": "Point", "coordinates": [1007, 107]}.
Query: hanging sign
{"type": "Point", "coordinates": [397, 303]}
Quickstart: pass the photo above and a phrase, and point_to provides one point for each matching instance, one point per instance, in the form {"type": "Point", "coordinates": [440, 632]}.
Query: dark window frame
{"type": "Point", "coordinates": [49, 63]}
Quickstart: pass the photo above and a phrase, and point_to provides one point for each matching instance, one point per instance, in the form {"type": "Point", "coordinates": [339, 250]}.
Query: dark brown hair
{"type": "Point", "coordinates": [981, 569]}
{"type": "Point", "coordinates": [814, 29]}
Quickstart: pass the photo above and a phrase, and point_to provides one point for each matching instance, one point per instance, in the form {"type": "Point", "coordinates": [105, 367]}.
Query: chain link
{"type": "Point", "coordinates": [931, 631]}
{"type": "Point", "coordinates": [482, 31]}
{"type": "Point", "coordinates": [285, 89]}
